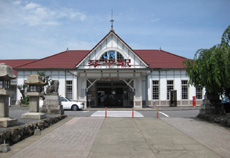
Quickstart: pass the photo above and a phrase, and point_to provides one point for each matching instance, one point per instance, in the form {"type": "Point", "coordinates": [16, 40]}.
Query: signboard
{"type": "Point", "coordinates": [109, 59]}
{"type": "Point", "coordinates": [119, 62]}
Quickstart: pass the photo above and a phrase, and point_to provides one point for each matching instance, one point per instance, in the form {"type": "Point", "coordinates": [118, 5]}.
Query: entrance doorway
{"type": "Point", "coordinates": [113, 94]}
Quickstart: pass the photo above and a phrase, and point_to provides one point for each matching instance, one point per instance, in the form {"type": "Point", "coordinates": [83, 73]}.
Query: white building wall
{"type": "Point", "coordinates": [177, 76]}
{"type": "Point", "coordinates": [163, 85]}
{"type": "Point", "coordinates": [177, 83]}
{"type": "Point", "coordinates": [79, 84]}
{"type": "Point", "coordinates": [62, 82]}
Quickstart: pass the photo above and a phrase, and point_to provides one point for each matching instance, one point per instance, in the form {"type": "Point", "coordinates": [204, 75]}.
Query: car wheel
{"type": "Point", "coordinates": [74, 107]}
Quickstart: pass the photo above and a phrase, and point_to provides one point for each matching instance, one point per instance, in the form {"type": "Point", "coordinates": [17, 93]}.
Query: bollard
{"type": "Point", "coordinates": [37, 132]}
{"type": "Point", "coordinates": [105, 112]}
{"type": "Point", "coordinates": [157, 113]}
{"type": "Point", "coordinates": [4, 147]}
{"type": "Point", "coordinates": [194, 100]}
{"type": "Point", "coordinates": [133, 112]}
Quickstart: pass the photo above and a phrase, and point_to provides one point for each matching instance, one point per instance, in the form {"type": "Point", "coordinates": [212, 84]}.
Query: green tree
{"type": "Point", "coordinates": [210, 68]}
{"type": "Point", "coordinates": [24, 99]}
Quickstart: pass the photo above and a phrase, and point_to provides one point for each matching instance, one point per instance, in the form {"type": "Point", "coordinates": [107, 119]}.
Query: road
{"type": "Point", "coordinates": [179, 113]}
{"type": "Point", "coordinates": [16, 112]}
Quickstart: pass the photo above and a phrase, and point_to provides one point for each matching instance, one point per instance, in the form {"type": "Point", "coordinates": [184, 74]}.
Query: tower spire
{"type": "Point", "coordinates": [112, 19]}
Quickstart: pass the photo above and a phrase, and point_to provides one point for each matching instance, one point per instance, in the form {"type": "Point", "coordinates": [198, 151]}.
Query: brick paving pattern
{"type": "Point", "coordinates": [73, 139]}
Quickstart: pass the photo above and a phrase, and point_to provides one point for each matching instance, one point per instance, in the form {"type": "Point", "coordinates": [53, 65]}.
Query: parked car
{"type": "Point", "coordinates": [225, 100]}
{"type": "Point", "coordinates": [68, 104]}
{"type": "Point", "coordinates": [226, 103]}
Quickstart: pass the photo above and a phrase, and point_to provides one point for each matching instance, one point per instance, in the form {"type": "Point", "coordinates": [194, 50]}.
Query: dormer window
{"type": "Point", "coordinates": [111, 55]}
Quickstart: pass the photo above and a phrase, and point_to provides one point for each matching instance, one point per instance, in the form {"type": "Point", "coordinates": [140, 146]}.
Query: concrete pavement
{"type": "Point", "coordinates": [213, 136]}
{"type": "Point", "coordinates": [96, 137]}
{"type": "Point", "coordinates": [147, 138]}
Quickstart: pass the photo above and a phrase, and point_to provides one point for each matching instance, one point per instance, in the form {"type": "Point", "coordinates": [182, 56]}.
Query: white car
{"type": "Point", "coordinates": [73, 105]}
{"type": "Point", "coordinates": [67, 104]}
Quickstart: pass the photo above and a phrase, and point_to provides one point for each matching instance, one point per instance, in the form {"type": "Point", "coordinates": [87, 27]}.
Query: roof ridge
{"type": "Point", "coordinates": [173, 54]}
{"type": "Point", "coordinates": [42, 59]}
{"type": "Point", "coordinates": [16, 59]}
{"type": "Point", "coordinates": [145, 49]}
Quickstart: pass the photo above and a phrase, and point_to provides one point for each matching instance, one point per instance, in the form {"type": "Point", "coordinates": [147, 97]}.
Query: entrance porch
{"type": "Point", "coordinates": [114, 88]}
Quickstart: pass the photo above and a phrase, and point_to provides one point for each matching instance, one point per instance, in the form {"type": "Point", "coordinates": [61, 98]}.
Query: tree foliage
{"type": "Point", "coordinates": [24, 99]}
{"type": "Point", "coordinates": [210, 68]}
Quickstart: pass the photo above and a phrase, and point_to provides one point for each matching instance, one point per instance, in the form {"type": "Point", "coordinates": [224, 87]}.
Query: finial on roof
{"type": "Point", "coordinates": [67, 49]}
{"type": "Point", "coordinates": [112, 20]}
{"type": "Point", "coordinates": [160, 48]}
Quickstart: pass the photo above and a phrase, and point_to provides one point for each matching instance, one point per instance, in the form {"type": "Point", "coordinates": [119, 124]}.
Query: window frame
{"type": "Point", "coordinates": [118, 56]}
{"type": "Point", "coordinates": [184, 86]}
{"type": "Point", "coordinates": [156, 95]}
{"type": "Point", "coordinates": [68, 92]}
{"type": "Point", "coordinates": [168, 89]}
{"type": "Point", "coordinates": [200, 93]}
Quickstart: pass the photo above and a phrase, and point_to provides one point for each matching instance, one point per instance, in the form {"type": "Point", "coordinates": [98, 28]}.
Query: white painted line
{"type": "Point", "coordinates": [116, 114]}
{"type": "Point", "coordinates": [164, 114]}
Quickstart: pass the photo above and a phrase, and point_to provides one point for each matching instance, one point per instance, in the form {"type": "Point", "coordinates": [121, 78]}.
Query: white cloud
{"type": "Point", "coordinates": [16, 3]}
{"type": "Point", "coordinates": [31, 6]}
{"type": "Point", "coordinates": [34, 14]}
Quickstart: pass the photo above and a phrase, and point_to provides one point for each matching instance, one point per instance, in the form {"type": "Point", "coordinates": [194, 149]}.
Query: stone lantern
{"type": "Point", "coordinates": [34, 92]}
{"type": "Point", "coordinates": [6, 74]}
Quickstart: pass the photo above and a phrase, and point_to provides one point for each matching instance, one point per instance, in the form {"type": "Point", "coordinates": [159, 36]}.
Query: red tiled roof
{"type": "Point", "coordinates": [69, 59]}
{"type": "Point", "coordinates": [160, 59]}
{"type": "Point", "coordinates": [64, 60]}
{"type": "Point", "coordinates": [17, 62]}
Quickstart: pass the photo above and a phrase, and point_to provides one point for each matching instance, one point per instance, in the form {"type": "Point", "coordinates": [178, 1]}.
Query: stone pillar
{"type": "Point", "coordinates": [34, 107]}
{"type": "Point", "coordinates": [5, 120]}
{"type": "Point", "coordinates": [34, 101]}
{"type": "Point", "coordinates": [137, 100]}
{"type": "Point", "coordinates": [52, 105]}
{"type": "Point", "coordinates": [6, 74]}
{"type": "Point", "coordinates": [4, 111]}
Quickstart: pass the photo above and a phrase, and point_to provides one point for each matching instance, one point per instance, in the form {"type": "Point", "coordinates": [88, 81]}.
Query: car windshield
{"type": "Point", "coordinates": [68, 99]}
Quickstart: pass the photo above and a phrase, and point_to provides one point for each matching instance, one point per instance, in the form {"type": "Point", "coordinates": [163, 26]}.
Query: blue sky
{"type": "Point", "coordinates": [33, 29]}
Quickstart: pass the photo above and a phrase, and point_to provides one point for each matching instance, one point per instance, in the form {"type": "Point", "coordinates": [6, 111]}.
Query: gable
{"type": "Point", "coordinates": [111, 52]}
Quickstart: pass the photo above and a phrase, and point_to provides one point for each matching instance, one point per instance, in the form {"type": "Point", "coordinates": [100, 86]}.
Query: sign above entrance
{"type": "Point", "coordinates": [119, 62]}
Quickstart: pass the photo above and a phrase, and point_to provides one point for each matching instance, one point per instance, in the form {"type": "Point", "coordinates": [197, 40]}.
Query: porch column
{"type": "Point", "coordinates": [137, 100]}
{"type": "Point", "coordinates": [82, 91]}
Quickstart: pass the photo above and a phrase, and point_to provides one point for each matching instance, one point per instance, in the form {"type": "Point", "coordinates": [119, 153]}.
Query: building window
{"type": "Point", "coordinates": [199, 94]}
{"type": "Point", "coordinates": [169, 87]}
{"type": "Point", "coordinates": [69, 88]}
{"type": "Point", "coordinates": [119, 56]}
{"type": "Point", "coordinates": [111, 55]}
{"type": "Point", "coordinates": [184, 89]}
{"type": "Point", "coordinates": [155, 85]}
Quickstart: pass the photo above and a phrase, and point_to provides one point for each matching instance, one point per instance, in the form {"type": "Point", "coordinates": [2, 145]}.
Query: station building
{"type": "Point", "coordinates": [113, 74]}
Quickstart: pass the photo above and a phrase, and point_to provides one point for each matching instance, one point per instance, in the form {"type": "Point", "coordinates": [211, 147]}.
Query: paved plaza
{"type": "Point", "coordinates": [99, 137]}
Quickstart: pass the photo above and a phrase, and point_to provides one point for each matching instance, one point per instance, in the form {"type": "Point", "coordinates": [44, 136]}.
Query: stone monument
{"type": "Point", "coordinates": [52, 104]}
{"type": "Point", "coordinates": [6, 74]}
{"type": "Point", "coordinates": [35, 91]}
